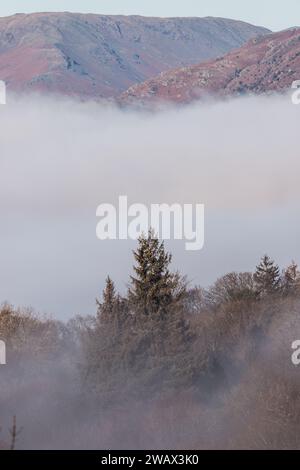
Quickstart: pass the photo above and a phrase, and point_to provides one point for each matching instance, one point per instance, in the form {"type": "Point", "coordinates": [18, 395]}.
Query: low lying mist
{"type": "Point", "coordinates": [206, 368]}
{"type": "Point", "coordinates": [60, 159]}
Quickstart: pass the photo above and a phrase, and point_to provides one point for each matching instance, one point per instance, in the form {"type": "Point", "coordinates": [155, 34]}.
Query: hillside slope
{"type": "Point", "coordinates": [101, 56]}
{"type": "Point", "coordinates": [267, 63]}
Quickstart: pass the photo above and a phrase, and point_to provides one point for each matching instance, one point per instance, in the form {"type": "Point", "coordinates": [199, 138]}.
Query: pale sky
{"type": "Point", "coordinates": [275, 15]}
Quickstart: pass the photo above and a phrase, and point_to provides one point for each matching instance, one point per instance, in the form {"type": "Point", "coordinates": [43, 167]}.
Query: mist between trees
{"type": "Point", "coordinates": [246, 174]}
{"type": "Point", "coordinates": [167, 365]}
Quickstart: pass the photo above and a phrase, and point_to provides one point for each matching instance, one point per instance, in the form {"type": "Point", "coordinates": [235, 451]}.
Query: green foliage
{"type": "Point", "coordinates": [267, 277]}
{"type": "Point", "coordinates": [154, 288]}
{"type": "Point", "coordinates": [291, 279]}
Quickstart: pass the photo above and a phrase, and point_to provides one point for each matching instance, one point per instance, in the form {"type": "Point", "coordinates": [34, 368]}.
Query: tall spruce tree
{"type": "Point", "coordinates": [291, 278]}
{"type": "Point", "coordinates": [267, 277]}
{"type": "Point", "coordinates": [108, 304]}
{"type": "Point", "coordinates": [154, 287]}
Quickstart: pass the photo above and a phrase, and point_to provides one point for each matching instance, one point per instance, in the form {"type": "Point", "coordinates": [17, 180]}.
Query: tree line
{"type": "Point", "coordinates": [162, 340]}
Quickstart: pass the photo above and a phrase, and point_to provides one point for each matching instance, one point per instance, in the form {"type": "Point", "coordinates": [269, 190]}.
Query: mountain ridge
{"type": "Point", "coordinates": [100, 56]}
{"type": "Point", "coordinates": [264, 64]}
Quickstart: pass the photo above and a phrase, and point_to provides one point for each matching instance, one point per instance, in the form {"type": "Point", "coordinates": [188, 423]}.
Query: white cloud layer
{"type": "Point", "coordinates": [60, 159]}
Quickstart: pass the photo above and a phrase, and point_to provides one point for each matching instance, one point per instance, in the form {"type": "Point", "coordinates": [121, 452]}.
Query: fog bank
{"type": "Point", "coordinates": [60, 159]}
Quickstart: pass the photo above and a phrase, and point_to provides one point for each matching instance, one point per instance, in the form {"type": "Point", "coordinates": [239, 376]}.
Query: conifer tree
{"type": "Point", "coordinates": [107, 306]}
{"type": "Point", "coordinates": [291, 278]}
{"type": "Point", "coordinates": [154, 287]}
{"type": "Point", "coordinates": [267, 276]}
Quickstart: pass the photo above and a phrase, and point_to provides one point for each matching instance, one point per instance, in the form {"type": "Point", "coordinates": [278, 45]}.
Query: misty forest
{"type": "Point", "coordinates": [167, 365]}
{"type": "Point", "coordinates": [117, 343]}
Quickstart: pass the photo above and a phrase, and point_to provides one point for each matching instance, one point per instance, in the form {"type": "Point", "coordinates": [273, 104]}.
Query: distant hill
{"type": "Point", "coordinates": [101, 56]}
{"type": "Point", "coordinates": [264, 64]}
